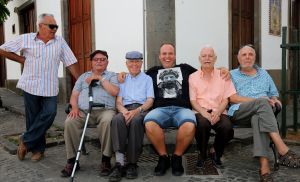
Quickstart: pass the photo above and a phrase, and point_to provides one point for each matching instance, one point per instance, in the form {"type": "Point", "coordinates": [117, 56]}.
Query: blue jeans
{"type": "Point", "coordinates": [170, 116]}
{"type": "Point", "coordinates": [40, 113]}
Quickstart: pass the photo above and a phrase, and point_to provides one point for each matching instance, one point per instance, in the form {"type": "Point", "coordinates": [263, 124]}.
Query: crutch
{"type": "Point", "coordinates": [91, 105]}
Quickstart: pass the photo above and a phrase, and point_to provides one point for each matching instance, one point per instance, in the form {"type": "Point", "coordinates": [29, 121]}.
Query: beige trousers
{"type": "Point", "coordinates": [73, 129]}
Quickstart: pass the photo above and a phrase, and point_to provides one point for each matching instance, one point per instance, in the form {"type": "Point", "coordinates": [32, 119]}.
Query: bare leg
{"type": "Point", "coordinates": [185, 135]}
{"type": "Point", "coordinates": [264, 165]}
{"type": "Point", "coordinates": [156, 136]}
{"type": "Point", "coordinates": [280, 145]}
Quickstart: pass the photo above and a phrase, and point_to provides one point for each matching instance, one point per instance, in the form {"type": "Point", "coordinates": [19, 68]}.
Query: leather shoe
{"type": "Point", "coordinates": [37, 156]}
{"type": "Point", "coordinates": [22, 150]}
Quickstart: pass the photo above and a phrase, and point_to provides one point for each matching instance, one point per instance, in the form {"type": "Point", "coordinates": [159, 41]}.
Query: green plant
{"type": "Point", "coordinates": [4, 12]}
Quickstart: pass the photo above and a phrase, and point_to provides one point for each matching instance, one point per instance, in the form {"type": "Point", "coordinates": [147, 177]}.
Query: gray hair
{"type": "Point", "coordinates": [209, 47]}
{"type": "Point", "coordinates": [41, 18]}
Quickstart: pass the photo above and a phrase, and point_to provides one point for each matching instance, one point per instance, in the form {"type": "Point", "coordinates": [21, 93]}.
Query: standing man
{"type": "Point", "coordinates": [171, 109]}
{"type": "Point", "coordinates": [105, 93]}
{"type": "Point", "coordinates": [256, 94]}
{"type": "Point", "coordinates": [127, 128]}
{"type": "Point", "coordinates": [209, 95]}
{"type": "Point", "coordinates": [42, 53]}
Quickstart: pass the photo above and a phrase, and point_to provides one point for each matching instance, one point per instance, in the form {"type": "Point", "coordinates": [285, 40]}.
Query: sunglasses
{"type": "Point", "coordinates": [51, 26]}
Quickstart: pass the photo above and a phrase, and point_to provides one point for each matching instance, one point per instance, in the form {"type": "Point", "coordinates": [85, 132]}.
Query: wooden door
{"type": "Point", "coordinates": [242, 26]}
{"type": "Point", "coordinates": [27, 19]}
{"type": "Point", "coordinates": [80, 32]}
{"type": "Point", "coordinates": [2, 60]}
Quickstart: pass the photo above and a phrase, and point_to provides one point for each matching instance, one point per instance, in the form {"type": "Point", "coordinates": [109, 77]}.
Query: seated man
{"type": "Point", "coordinates": [170, 110]}
{"type": "Point", "coordinates": [209, 95]}
{"type": "Point", "coordinates": [127, 128]}
{"type": "Point", "coordinates": [105, 92]}
{"type": "Point", "coordinates": [259, 94]}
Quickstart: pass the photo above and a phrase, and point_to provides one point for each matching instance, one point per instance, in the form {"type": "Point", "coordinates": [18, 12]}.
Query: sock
{"type": "Point", "coordinates": [120, 158]}
{"type": "Point", "coordinates": [71, 160]}
{"type": "Point", "coordinates": [105, 159]}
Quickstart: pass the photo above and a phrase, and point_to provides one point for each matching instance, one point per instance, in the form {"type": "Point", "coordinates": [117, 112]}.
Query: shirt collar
{"type": "Point", "coordinates": [201, 73]}
{"type": "Point", "coordinates": [34, 37]}
{"type": "Point", "coordinates": [258, 70]}
{"type": "Point", "coordinates": [130, 76]}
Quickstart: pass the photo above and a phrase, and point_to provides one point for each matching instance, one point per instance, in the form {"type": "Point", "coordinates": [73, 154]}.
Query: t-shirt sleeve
{"type": "Point", "coordinates": [192, 88]}
{"type": "Point", "coordinates": [149, 85]}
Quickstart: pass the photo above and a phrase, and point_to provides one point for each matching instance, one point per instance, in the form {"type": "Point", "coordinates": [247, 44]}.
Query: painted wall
{"type": "Point", "coordinates": [13, 69]}
{"type": "Point", "coordinates": [42, 6]}
{"type": "Point", "coordinates": [198, 23]}
{"type": "Point", "coordinates": [270, 44]}
{"type": "Point", "coordinates": [118, 29]}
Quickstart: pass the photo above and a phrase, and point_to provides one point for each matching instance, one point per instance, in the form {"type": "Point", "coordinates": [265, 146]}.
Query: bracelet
{"type": "Point", "coordinates": [102, 80]}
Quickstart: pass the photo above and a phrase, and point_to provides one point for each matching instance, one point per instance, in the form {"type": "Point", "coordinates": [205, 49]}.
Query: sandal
{"type": "Point", "coordinates": [267, 177]}
{"type": "Point", "coordinates": [290, 159]}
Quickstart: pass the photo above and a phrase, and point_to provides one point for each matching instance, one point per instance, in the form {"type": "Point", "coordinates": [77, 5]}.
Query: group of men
{"type": "Point", "coordinates": [170, 95]}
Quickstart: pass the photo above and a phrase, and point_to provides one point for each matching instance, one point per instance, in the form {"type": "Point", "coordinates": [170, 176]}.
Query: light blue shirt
{"type": "Point", "coordinates": [136, 89]}
{"type": "Point", "coordinates": [100, 95]}
{"type": "Point", "coordinates": [259, 85]}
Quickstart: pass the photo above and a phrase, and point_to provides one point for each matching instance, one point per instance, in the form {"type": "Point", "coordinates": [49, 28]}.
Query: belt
{"type": "Point", "coordinates": [132, 106]}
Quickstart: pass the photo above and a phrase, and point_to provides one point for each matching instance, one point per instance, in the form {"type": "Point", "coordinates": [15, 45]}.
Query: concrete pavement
{"type": "Point", "coordinates": [238, 162]}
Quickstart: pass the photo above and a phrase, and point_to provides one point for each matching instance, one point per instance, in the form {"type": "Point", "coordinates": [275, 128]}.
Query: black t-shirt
{"type": "Point", "coordinates": [171, 87]}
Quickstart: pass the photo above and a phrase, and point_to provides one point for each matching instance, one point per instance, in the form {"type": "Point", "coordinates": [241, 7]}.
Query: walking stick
{"type": "Point", "coordinates": [91, 105]}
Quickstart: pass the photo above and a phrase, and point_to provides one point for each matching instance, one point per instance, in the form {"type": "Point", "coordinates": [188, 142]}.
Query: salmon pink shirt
{"type": "Point", "coordinates": [211, 92]}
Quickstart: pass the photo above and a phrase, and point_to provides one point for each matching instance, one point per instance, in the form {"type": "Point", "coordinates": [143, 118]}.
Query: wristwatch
{"type": "Point", "coordinates": [141, 109]}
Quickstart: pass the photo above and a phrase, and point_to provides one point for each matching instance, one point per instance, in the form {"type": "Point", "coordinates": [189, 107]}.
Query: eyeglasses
{"type": "Point", "coordinates": [99, 59]}
{"type": "Point", "coordinates": [51, 26]}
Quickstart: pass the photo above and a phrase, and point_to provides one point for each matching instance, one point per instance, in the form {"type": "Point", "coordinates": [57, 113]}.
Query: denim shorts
{"type": "Point", "coordinates": [170, 116]}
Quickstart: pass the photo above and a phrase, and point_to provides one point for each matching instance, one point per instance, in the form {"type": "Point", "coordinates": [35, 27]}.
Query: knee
{"type": "Point", "coordinates": [188, 127]}
{"type": "Point", "coordinates": [136, 122]}
{"type": "Point", "coordinates": [262, 102]}
{"type": "Point", "coordinates": [151, 126]}
{"type": "Point", "coordinates": [68, 123]}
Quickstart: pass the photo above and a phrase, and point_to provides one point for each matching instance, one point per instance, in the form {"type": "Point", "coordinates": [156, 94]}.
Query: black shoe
{"type": "Point", "coordinates": [67, 171]}
{"type": "Point", "coordinates": [117, 173]}
{"type": "Point", "coordinates": [131, 171]}
{"type": "Point", "coordinates": [177, 168]}
{"type": "Point", "coordinates": [162, 166]}
{"type": "Point", "coordinates": [216, 160]}
{"type": "Point", "coordinates": [105, 168]}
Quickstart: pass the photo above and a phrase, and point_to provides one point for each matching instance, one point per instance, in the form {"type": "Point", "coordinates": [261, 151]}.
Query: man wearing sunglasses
{"type": "Point", "coordinates": [41, 56]}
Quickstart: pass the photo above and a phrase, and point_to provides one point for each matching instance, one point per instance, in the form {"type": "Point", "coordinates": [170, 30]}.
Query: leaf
{"type": "Point", "coordinates": [4, 12]}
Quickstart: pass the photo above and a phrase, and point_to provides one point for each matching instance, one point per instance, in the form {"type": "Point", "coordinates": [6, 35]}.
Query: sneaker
{"type": "Point", "coordinates": [67, 171]}
{"type": "Point", "coordinates": [105, 168]}
{"type": "Point", "coordinates": [177, 168]}
{"type": "Point", "coordinates": [216, 160]}
{"type": "Point", "coordinates": [117, 173]}
{"type": "Point", "coordinates": [162, 166]}
{"type": "Point", "coordinates": [131, 172]}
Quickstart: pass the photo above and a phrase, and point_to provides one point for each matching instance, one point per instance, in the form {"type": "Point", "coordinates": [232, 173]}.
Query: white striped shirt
{"type": "Point", "coordinates": [40, 74]}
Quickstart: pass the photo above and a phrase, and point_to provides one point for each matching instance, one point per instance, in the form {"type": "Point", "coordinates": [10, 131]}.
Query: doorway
{"type": "Point", "coordinates": [80, 35]}
{"type": "Point", "coordinates": [242, 27]}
